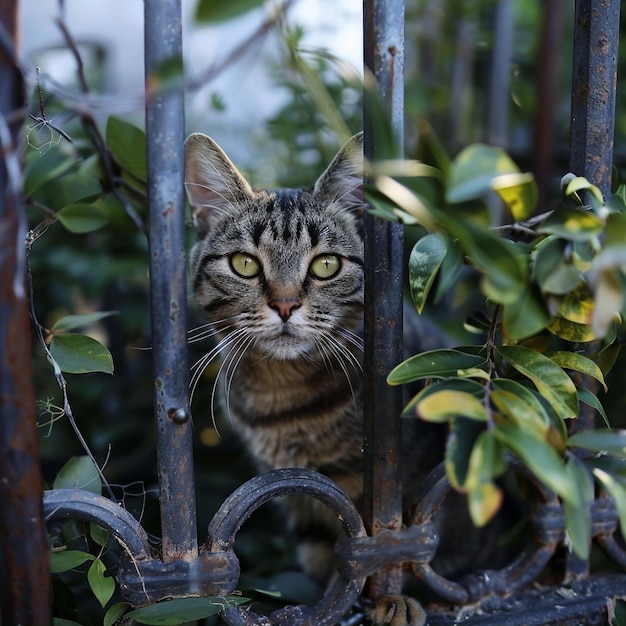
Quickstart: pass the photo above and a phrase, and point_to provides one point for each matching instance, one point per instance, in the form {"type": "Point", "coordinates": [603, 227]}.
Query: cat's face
{"type": "Point", "coordinates": [280, 273]}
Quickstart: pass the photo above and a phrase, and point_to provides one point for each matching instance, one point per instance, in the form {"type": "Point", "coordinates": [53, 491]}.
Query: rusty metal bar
{"type": "Point", "coordinates": [594, 80]}
{"type": "Point", "coordinates": [165, 135]}
{"type": "Point", "coordinates": [24, 553]}
{"type": "Point", "coordinates": [384, 58]}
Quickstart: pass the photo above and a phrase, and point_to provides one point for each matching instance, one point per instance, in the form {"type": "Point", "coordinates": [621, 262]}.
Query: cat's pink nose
{"type": "Point", "coordinates": [284, 307]}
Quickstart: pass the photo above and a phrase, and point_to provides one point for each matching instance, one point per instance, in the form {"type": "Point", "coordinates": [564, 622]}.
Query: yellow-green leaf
{"type": "Point", "coordinates": [549, 379]}
{"type": "Point", "coordinates": [570, 331]}
{"type": "Point", "coordinates": [519, 192]}
{"type": "Point", "coordinates": [448, 404]}
{"type": "Point", "coordinates": [573, 224]}
{"type": "Point", "coordinates": [471, 173]}
{"type": "Point", "coordinates": [484, 501]}
{"type": "Point", "coordinates": [579, 363]}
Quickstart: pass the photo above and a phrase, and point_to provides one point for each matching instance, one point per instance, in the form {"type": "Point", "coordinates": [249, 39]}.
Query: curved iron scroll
{"type": "Point", "coordinates": [144, 577]}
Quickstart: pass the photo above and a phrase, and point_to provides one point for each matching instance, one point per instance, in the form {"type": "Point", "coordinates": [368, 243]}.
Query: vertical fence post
{"type": "Point", "coordinates": [596, 37]}
{"type": "Point", "coordinates": [384, 58]}
{"type": "Point", "coordinates": [24, 552]}
{"type": "Point", "coordinates": [594, 81]}
{"type": "Point", "coordinates": [165, 135]}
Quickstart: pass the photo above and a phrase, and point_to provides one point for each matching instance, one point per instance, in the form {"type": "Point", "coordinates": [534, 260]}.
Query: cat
{"type": "Point", "coordinates": [280, 275]}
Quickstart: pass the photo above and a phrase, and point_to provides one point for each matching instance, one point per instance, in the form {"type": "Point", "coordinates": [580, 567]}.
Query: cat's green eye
{"type": "Point", "coordinates": [245, 265]}
{"type": "Point", "coordinates": [325, 265]}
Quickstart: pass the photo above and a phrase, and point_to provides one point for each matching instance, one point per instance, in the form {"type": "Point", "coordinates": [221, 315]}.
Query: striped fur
{"type": "Point", "coordinates": [291, 337]}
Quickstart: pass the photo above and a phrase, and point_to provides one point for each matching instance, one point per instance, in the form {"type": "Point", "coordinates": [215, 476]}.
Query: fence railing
{"type": "Point", "coordinates": [184, 568]}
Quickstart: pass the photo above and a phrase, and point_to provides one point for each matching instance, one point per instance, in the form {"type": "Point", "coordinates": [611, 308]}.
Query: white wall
{"type": "Point", "coordinates": [247, 90]}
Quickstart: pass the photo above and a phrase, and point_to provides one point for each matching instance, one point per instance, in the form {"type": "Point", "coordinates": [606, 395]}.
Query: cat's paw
{"type": "Point", "coordinates": [397, 611]}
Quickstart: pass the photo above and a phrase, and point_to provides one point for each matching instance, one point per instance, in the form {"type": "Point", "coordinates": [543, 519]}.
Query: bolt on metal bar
{"type": "Point", "coordinates": [165, 135]}
{"type": "Point", "coordinates": [24, 552]}
{"type": "Point", "coordinates": [594, 80]}
{"type": "Point", "coordinates": [384, 58]}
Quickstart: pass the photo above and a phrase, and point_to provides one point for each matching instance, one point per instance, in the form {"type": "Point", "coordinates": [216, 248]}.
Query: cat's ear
{"type": "Point", "coordinates": [342, 181]}
{"type": "Point", "coordinates": [212, 182]}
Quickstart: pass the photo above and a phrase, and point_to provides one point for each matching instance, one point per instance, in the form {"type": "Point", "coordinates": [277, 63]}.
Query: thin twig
{"type": "Point", "coordinates": [58, 374]}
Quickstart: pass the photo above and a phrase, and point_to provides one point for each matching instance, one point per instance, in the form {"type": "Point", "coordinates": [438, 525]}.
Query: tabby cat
{"type": "Point", "coordinates": [280, 275]}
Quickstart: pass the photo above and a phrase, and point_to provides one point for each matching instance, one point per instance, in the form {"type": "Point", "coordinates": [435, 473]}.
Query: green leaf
{"type": "Point", "coordinates": [79, 473]}
{"type": "Point", "coordinates": [82, 218]}
{"type": "Point", "coordinates": [59, 621]}
{"type": "Point", "coordinates": [434, 364]}
{"type": "Point", "coordinates": [449, 270]}
{"type": "Point", "coordinates": [549, 379]}
{"type": "Point", "coordinates": [114, 612]}
{"type": "Point", "coordinates": [71, 322]}
{"type": "Point", "coordinates": [68, 559]}
{"type": "Point", "coordinates": [540, 458]}
{"type": "Point", "coordinates": [448, 404]}
{"type": "Point", "coordinates": [128, 144]}
{"type": "Point", "coordinates": [216, 11]}
{"type": "Point", "coordinates": [461, 440]}
{"type": "Point", "coordinates": [173, 612]}
{"type": "Point", "coordinates": [573, 224]}
{"type": "Point", "coordinates": [98, 534]}
{"type": "Point", "coordinates": [424, 262]}
{"type": "Point", "coordinates": [519, 192]}
{"type": "Point", "coordinates": [578, 363]}
{"type": "Point", "coordinates": [44, 169]}
{"type": "Point", "coordinates": [605, 440]}
{"type": "Point", "coordinates": [102, 586]}
{"type": "Point", "coordinates": [79, 354]}
{"type": "Point", "coordinates": [503, 267]}
{"type": "Point", "coordinates": [525, 317]}
{"type": "Point", "coordinates": [553, 269]}
{"type": "Point", "coordinates": [584, 395]}
{"type": "Point", "coordinates": [578, 517]}
{"type": "Point", "coordinates": [473, 170]}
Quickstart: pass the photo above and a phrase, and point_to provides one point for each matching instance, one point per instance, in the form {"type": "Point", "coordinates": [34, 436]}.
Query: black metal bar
{"type": "Point", "coordinates": [596, 37]}
{"type": "Point", "coordinates": [384, 58]}
{"type": "Point", "coordinates": [24, 552]}
{"type": "Point", "coordinates": [165, 135]}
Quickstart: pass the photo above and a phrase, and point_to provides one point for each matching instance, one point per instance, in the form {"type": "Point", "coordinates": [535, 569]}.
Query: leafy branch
{"type": "Point", "coordinates": [552, 302]}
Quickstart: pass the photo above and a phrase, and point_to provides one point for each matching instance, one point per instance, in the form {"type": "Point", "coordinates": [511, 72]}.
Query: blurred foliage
{"type": "Point", "coordinates": [87, 211]}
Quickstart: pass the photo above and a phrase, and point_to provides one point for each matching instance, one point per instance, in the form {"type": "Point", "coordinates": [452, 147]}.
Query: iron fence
{"type": "Point", "coordinates": [182, 568]}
